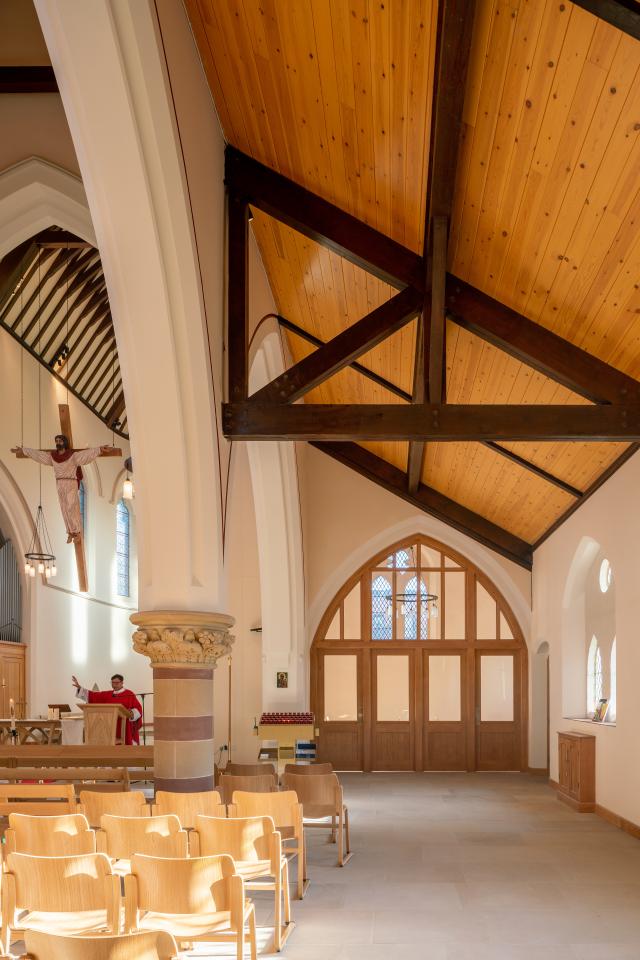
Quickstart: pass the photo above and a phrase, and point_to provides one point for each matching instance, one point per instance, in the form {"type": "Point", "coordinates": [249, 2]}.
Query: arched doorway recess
{"type": "Point", "coordinates": [403, 681]}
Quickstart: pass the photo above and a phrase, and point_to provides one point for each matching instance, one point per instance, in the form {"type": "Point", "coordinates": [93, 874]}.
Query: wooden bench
{"type": "Point", "coordinates": [86, 778]}
{"type": "Point", "coordinates": [37, 799]}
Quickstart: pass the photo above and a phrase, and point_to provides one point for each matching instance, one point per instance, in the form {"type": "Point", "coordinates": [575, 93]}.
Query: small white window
{"type": "Point", "coordinates": [613, 706]}
{"type": "Point", "coordinates": [594, 676]}
{"type": "Point", "coordinates": [605, 575]}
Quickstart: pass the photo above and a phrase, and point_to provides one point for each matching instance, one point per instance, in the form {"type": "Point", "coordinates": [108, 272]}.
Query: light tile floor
{"type": "Point", "coordinates": [467, 867]}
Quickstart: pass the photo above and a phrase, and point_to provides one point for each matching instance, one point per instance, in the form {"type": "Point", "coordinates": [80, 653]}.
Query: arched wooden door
{"type": "Point", "coordinates": [419, 664]}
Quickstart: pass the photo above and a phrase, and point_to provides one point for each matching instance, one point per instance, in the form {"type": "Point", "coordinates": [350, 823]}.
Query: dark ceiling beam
{"type": "Point", "coordinates": [55, 239]}
{"type": "Point", "coordinates": [399, 392]}
{"type": "Point", "coordinates": [90, 358]}
{"type": "Point", "coordinates": [539, 471]}
{"type": "Point", "coordinates": [78, 297]}
{"type": "Point", "coordinates": [536, 346]}
{"type": "Point", "coordinates": [21, 278]}
{"type": "Point", "coordinates": [14, 270]}
{"type": "Point", "coordinates": [249, 420]}
{"type": "Point", "coordinates": [238, 297]}
{"type": "Point", "coordinates": [116, 410]}
{"type": "Point", "coordinates": [25, 79]}
{"type": "Point", "coordinates": [67, 260]}
{"type": "Point", "coordinates": [354, 365]}
{"type": "Point", "coordinates": [453, 45]}
{"type": "Point", "coordinates": [425, 498]}
{"type": "Point", "coordinates": [339, 352]}
{"type": "Point", "coordinates": [104, 379]}
{"type": "Point", "coordinates": [623, 14]}
{"type": "Point", "coordinates": [71, 287]}
{"type": "Point", "coordinates": [321, 221]}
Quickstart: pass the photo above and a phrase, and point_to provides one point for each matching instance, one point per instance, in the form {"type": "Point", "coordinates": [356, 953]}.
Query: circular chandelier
{"type": "Point", "coordinates": [40, 557]}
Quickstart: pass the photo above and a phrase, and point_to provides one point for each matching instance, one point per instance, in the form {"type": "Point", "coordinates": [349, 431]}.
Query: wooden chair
{"type": "Point", "coordinates": [265, 783]}
{"type": "Point", "coordinates": [195, 899]}
{"type": "Point", "coordinates": [94, 804]}
{"type": "Point", "coordinates": [127, 946]}
{"type": "Point", "coordinates": [286, 813]}
{"type": "Point", "coordinates": [67, 895]}
{"type": "Point", "coordinates": [61, 836]}
{"type": "Point", "coordinates": [249, 769]}
{"type": "Point", "coordinates": [187, 806]}
{"type": "Point", "coordinates": [322, 800]}
{"type": "Point", "coordinates": [37, 799]}
{"type": "Point", "coordinates": [308, 769]}
{"type": "Point", "coordinates": [256, 848]}
{"type": "Point", "coordinates": [121, 837]}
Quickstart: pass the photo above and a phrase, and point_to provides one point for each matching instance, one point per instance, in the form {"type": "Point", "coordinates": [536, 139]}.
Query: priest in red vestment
{"type": "Point", "coordinates": [117, 694]}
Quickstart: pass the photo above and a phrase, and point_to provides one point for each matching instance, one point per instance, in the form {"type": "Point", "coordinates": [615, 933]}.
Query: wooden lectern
{"type": "Point", "coordinates": [101, 723]}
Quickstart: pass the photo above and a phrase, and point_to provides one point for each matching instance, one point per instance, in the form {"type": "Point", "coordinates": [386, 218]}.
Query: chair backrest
{"type": "Point", "coordinates": [320, 796]}
{"type": "Point", "coordinates": [94, 804]}
{"type": "Point", "coordinates": [249, 769]}
{"type": "Point", "coordinates": [37, 799]}
{"type": "Point", "coordinates": [244, 839]}
{"type": "Point", "coordinates": [283, 808]}
{"type": "Point", "coordinates": [309, 769]}
{"type": "Point", "coordinates": [127, 946]}
{"type": "Point", "coordinates": [59, 884]}
{"type": "Point", "coordinates": [187, 806]}
{"type": "Point", "coordinates": [61, 836]}
{"type": "Point", "coordinates": [121, 837]}
{"type": "Point", "coordinates": [197, 885]}
{"type": "Point", "coordinates": [266, 783]}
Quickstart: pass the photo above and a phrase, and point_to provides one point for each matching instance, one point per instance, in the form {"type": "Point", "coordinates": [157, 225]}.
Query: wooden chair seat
{"type": "Point", "coordinates": [83, 922]}
{"type": "Point", "coordinates": [190, 926]}
{"type": "Point", "coordinates": [323, 806]}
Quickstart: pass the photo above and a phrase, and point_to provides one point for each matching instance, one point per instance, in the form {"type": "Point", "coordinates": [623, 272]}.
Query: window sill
{"type": "Point", "coordinates": [594, 723]}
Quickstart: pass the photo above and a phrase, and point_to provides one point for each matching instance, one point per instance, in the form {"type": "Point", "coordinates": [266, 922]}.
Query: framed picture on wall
{"type": "Point", "coordinates": [600, 711]}
{"type": "Point", "coordinates": [282, 679]}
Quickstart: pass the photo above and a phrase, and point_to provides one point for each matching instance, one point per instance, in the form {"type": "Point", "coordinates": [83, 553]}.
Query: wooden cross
{"type": "Point", "coordinates": [65, 428]}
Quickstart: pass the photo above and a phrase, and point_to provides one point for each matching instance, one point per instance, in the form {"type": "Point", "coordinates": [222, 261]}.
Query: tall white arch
{"type": "Point", "coordinates": [36, 194]}
{"type": "Point", "coordinates": [112, 79]}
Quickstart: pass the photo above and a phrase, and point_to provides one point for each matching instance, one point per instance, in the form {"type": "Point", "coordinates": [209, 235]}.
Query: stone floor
{"type": "Point", "coordinates": [466, 867]}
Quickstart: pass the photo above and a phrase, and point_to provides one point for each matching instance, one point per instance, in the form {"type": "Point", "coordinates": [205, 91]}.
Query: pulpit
{"type": "Point", "coordinates": [101, 723]}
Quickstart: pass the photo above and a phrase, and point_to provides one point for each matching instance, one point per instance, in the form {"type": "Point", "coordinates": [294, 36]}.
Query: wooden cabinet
{"type": "Point", "coordinates": [577, 770]}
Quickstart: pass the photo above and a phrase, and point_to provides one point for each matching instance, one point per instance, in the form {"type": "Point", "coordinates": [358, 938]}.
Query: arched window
{"type": "Point", "coordinates": [381, 609]}
{"type": "Point", "coordinates": [122, 549]}
{"type": "Point", "coordinates": [594, 675]}
{"type": "Point", "coordinates": [82, 496]}
{"type": "Point", "coordinates": [612, 684]}
{"type": "Point", "coordinates": [409, 610]}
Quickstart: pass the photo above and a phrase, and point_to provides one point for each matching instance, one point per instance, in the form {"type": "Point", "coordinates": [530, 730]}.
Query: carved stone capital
{"type": "Point", "coordinates": [167, 636]}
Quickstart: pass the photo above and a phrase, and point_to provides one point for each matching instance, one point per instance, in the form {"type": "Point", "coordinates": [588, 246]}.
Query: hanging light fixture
{"type": "Point", "coordinates": [404, 599]}
{"type": "Point", "coordinates": [40, 557]}
{"type": "Point", "coordinates": [128, 491]}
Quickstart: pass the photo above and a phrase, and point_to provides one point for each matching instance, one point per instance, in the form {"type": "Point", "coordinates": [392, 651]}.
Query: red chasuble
{"type": "Point", "coordinates": [128, 700]}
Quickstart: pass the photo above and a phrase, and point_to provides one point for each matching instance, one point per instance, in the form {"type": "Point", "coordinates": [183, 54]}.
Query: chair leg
{"type": "Point", "coordinates": [340, 839]}
{"type": "Point", "coordinates": [252, 934]}
{"type": "Point", "coordinates": [240, 944]}
{"type": "Point", "coordinates": [277, 921]}
{"type": "Point", "coordinates": [286, 891]}
{"type": "Point", "coordinates": [346, 828]}
{"type": "Point", "coordinates": [332, 838]}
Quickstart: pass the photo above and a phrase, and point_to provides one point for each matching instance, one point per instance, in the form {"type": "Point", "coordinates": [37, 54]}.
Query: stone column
{"type": "Point", "coordinates": [184, 649]}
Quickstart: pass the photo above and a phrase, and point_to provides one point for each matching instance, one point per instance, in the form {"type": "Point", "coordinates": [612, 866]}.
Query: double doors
{"type": "Point", "coordinates": [384, 708]}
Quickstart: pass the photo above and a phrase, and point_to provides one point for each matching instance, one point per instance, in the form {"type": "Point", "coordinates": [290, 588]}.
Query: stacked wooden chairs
{"type": "Point", "coordinates": [121, 837]}
{"type": "Point", "coordinates": [323, 806]}
{"type": "Point", "coordinates": [93, 804]}
{"type": "Point", "coordinates": [230, 783]}
{"type": "Point", "coordinates": [256, 848]}
{"type": "Point", "coordinates": [192, 899]}
{"type": "Point", "coordinates": [128, 946]}
{"type": "Point", "coordinates": [286, 813]}
{"type": "Point", "coordinates": [188, 806]}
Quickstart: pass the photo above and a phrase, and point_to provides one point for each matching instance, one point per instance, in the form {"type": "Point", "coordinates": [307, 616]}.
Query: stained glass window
{"type": "Point", "coordinates": [381, 609]}
{"type": "Point", "coordinates": [122, 549]}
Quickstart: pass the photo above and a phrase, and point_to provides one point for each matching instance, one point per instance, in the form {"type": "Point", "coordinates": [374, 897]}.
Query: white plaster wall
{"type": "Point", "coordinates": [608, 523]}
{"type": "Point", "coordinates": [66, 631]}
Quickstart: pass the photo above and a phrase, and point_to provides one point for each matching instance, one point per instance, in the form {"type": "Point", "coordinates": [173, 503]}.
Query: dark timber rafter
{"type": "Point", "coordinates": [455, 26]}
{"type": "Point", "coordinates": [623, 14]}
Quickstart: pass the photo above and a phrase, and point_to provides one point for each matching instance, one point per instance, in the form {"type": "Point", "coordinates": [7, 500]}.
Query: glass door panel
{"type": "Point", "coordinates": [498, 721]}
{"type": "Point", "coordinates": [339, 716]}
{"type": "Point", "coordinates": [444, 744]}
{"type": "Point", "coordinates": [392, 733]}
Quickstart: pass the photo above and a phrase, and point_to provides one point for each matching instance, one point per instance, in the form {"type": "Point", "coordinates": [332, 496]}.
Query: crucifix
{"type": "Point", "coordinates": [67, 463]}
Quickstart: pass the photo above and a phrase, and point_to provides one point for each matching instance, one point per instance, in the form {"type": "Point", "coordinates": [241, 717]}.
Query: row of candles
{"type": "Point", "coordinates": [49, 569]}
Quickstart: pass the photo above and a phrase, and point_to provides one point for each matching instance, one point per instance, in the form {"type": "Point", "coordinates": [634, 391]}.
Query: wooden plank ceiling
{"type": "Point", "coordinates": [53, 300]}
{"type": "Point", "coordinates": [336, 95]}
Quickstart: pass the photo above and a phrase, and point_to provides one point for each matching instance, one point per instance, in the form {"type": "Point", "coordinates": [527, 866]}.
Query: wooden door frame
{"type": "Point", "coordinates": [468, 649]}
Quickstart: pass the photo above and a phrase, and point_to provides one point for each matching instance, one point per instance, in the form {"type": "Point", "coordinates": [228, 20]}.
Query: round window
{"type": "Point", "coordinates": [605, 575]}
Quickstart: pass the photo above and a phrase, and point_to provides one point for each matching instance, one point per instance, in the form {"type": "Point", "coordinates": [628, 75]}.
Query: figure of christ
{"type": "Point", "coordinates": [66, 465]}
{"type": "Point", "coordinates": [117, 694]}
